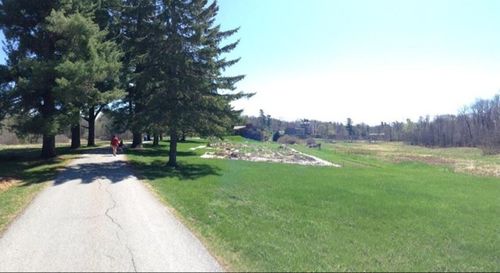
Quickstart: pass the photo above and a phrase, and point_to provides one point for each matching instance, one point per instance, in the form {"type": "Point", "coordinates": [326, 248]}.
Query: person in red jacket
{"type": "Point", "coordinates": [115, 141]}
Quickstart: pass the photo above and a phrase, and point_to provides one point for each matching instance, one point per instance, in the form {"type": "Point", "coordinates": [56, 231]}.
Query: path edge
{"type": "Point", "coordinates": [32, 198]}
{"type": "Point", "coordinates": [225, 266]}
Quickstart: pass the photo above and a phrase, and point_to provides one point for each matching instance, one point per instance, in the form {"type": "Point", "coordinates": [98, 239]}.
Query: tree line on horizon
{"type": "Point", "coordinates": [477, 125]}
{"type": "Point", "coordinates": [151, 65]}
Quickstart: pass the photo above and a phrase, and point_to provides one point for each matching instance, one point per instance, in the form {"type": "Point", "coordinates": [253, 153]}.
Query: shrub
{"type": "Point", "coordinates": [310, 141]}
{"type": "Point", "coordinates": [253, 133]}
{"type": "Point", "coordinates": [287, 139]}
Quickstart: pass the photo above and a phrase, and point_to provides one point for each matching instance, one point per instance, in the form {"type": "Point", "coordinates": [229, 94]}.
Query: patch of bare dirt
{"type": "Point", "coordinates": [7, 182]}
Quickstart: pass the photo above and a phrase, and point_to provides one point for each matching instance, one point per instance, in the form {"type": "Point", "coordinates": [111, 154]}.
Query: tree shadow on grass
{"type": "Point", "coordinates": [26, 165]}
{"type": "Point", "coordinates": [158, 170]}
{"type": "Point", "coordinates": [29, 154]}
{"type": "Point", "coordinates": [189, 141]}
{"type": "Point", "coordinates": [30, 172]}
{"type": "Point", "coordinates": [151, 168]}
{"type": "Point", "coordinates": [157, 152]}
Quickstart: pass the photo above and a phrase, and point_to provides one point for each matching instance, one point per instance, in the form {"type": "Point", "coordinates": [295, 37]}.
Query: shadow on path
{"type": "Point", "coordinates": [119, 170]}
{"type": "Point", "coordinates": [115, 171]}
{"type": "Point", "coordinates": [99, 151]}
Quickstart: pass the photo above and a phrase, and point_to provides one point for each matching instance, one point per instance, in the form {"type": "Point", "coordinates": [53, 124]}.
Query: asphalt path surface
{"type": "Point", "coordinates": [97, 216]}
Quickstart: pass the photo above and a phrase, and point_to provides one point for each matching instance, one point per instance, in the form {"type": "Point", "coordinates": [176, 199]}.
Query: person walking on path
{"type": "Point", "coordinates": [115, 141]}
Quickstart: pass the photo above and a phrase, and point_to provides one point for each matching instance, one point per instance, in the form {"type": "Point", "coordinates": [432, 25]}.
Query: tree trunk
{"type": "Point", "coordinates": [161, 137]}
{"type": "Point", "coordinates": [172, 153]}
{"type": "Point", "coordinates": [183, 137]}
{"type": "Point", "coordinates": [49, 138]}
{"type": "Point", "coordinates": [136, 140]}
{"type": "Point", "coordinates": [91, 137]}
{"type": "Point", "coordinates": [156, 140]}
{"type": "Point", "coordinates": [49, 146]}
{"type": "Point", "coordinates": [75, 136]}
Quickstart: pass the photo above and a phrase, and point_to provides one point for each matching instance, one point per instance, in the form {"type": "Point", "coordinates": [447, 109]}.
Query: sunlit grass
{"type": "Point", "coordinates": [371, 214]}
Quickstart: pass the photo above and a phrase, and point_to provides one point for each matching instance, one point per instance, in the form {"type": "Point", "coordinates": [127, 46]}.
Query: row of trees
{"type": "Point", "coordinates": [477, 125]}
{"type": "Point", "coordinates": [394, 131]}
{"type": "Point", "coordinates": [153, 65]}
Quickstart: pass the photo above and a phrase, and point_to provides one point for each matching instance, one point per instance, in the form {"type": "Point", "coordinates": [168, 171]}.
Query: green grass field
{"type": "Point", "coordinates": [372, 214]}
{"type": "Point", "coordinates": [26, 174]}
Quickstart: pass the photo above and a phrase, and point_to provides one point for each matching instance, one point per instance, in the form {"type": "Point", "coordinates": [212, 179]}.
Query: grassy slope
{"type": "Point", "coordinates": [22, 163]}
{"type": "Point", "coordinates": [368, 215]}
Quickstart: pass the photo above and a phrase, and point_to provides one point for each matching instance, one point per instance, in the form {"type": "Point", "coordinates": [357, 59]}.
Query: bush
{"type": "Point", "coordinates": [287, 139]}
{"type": "Point", "coordinates": [310, 141]}
{"type": "Point", "coordinates": [253, 133]}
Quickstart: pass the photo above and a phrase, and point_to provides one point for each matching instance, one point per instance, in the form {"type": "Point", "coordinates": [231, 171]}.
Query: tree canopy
{"type": "Point", "coordinates": [159, 62]}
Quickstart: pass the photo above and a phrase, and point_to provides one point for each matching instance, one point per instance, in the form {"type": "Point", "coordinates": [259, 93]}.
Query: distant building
{"type": "Point", "coordinates": [373, 137]}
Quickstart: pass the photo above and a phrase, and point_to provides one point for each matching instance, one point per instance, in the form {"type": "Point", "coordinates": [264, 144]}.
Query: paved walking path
{"type": "Point", "coordinates": [98, 217]}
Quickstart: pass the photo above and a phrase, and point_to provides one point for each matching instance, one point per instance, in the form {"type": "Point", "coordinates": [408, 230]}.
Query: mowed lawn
{"type": "Point", "coordinates": [368, 215]}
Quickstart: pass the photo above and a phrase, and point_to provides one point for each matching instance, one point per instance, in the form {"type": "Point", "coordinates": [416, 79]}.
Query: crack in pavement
{"type": "Point", "coordinates": [119, 226]}
{"type": "Point", "coordinates": [131, 257]}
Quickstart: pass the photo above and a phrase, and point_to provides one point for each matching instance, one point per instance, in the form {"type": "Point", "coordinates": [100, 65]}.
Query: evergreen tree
{"type": "Point", "coordinates": [32, 58]}
{"type": "Point", "coordinates": [137, 18]}
{"type": "Point", "coordinates": [88, 70]}
{"type": "Point", "coordinates": [262, 118]}
{"type": "Point", "coordinates": [106, 14]}
{"type": "Point", "coordinates": [5, 80]}
{"type": "Point", "coordinates": [54, 61]}
{"type": "Point", "coordinates": [191, 89]}
{"type": "Point", "coordinates": [350, 128]}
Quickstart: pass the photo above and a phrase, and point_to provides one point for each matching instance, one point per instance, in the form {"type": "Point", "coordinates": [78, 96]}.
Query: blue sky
{"type": "Point", "coordinates": [369, 60]}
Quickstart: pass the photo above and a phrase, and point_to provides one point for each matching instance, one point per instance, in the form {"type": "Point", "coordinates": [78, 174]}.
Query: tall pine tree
{"type": "Point", "coordinates": [136, 21]}
{"type": "Point", "coordinates": [51, 56]}
{"type": "Point", "coordinates": [89, 68]}
{"type": "Point", "coordinates": [105, 13]}
{"type": "Point", "coordinates": [191, 89]}
{"type": "Point", "coordinates": [32, 58]}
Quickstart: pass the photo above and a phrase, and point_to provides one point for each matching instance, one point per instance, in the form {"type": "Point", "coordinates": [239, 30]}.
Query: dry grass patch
{"type": "Point", "coordinates": [428, 159]}
{"type": "Point", "coordinates": [8, 182]}
{"type": "Point", "coordinates": [462, 160]}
